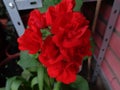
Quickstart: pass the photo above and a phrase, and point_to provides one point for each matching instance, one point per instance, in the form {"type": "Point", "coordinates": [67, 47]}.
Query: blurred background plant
{"type": "Point", "coordinates": [9, 52]}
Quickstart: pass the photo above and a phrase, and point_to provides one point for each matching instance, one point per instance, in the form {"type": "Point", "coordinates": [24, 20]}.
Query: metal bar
{"type": "Point", "coordinates": [13, 6]}
{"type": "Point", "coordinates": [28, 4]}
{"type": "Point", "coordinates": [14, 15]}
{"type": "Point", "coordinates": [108, 32]}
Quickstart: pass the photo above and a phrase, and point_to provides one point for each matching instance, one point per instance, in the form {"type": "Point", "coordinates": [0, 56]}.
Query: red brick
{"type": "Point", "coordinates": [113, 62]}
{"type": "Point", "coordinates": [109, 75]}
{"type": "Point", "coordinates": [115, 44]}
{"type": "Point", "coordinates": [112, 79]}
{"type": "Point", "coordinates": [115, 84]}
{"type": "Point", "coordinates": [117, 26]}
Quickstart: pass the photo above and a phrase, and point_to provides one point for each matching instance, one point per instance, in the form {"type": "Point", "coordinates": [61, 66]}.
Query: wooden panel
{"type": "Point", "coordinates": [115, 44]}
{"type": "Point", "coordinates": [113, 62]}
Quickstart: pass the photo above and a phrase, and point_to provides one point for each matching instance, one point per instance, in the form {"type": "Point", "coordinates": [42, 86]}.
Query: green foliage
{"type": "Point", "coordinates": [16, 84]}
{"type": "Point", "coordinates": [40, 77]}
{"type": "Point", "coordinates": [48, 82]}
{"type": "Point", "coordinates": [9, 83]}
{"type": "Point", "coordinates": [28, 61]}
{"type": "Point", "coordinates": [34, 81]}
{"type": "Point", "coordinates": [45, 32]}
{"type": "Point", "coordinates": [47, 3]}
{"type": "Point", "coordinates": [78, 5]}
{"type": "Point", "coordinates": [56, 1]}
{"type": "Point", "coordinates": [26, 74]}
{"type": "Point", "coordinates": [27, 80]}
{"type": "Point", "coordinates": [57, 86]}
{"type": "Point", "coordinates": [80, 84]}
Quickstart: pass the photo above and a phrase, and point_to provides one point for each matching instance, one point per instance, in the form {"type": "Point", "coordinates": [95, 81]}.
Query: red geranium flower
{"type": "Point", "coordinates": [63, 71]}
{"type": "Point", "coordinates": [49, 52]}
{"type": "Point", "coordinates": [62, 52]}
{"type": "Point", "coordinates": [54, 12]}
{"type": "Point", "coordinates": [58, 66]}
{"type": "Point", "coordinates": [37, 19]}
{"type": "Point", "coordinates": [68, 74]}
{"type": "Point", "coordinates": [70, 32]}
{"type": "Point", "coordinates": [31, 40]}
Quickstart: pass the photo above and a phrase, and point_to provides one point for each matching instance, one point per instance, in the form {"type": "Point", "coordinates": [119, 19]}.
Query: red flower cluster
{"type": "Point", "coordinates": [62, 52]}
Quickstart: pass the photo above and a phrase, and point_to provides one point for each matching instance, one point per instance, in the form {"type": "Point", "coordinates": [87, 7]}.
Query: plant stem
{"type": "Point", "coordinates": [49, 83]}
{"type": "Point", "coordinates": [57, 86]}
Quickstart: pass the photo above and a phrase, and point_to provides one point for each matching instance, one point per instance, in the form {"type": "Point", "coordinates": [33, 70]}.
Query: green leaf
{"type": "Point", "coordinates": [35, 56]}
{"type": "Point", "coordinates": [46, 4]}
{"type": "Point", "coordinates": [52, 81]}
{"type": "Point", "coordinates": [32, 69]}
{"type": "Point", "coordinates": [9, 83]}
{"type": "Point", "coordinates": [56, 1]}
{"type": "Point", "coordinates": [40, 77]}
{"type": "Point", "coordinates": [80, 84]}
{"type": "Point", "coordinates": [49, 82]}
{"type": "Point", "coordinates": [26, 74]}
{"type": "Point", "coordinates": [45, 32]}
{"type": "Point", "coordinates": [57, 86]}
{"type": "Point", "coordinates": [27, 61]}
{"type": "Point", "coordinates": [34, 82]}
{"type": "Point", "coordinates": [16, 84]}
{"type": "Point", "coordinates": [78, 5]}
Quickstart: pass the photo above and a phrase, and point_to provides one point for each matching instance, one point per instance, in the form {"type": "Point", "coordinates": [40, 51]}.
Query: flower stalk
{"type": "Point", "coordinates": [57, 86]}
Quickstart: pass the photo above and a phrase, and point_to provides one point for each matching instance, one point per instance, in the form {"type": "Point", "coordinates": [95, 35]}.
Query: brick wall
{"type": "Point", "coordinates": [111, 62]}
